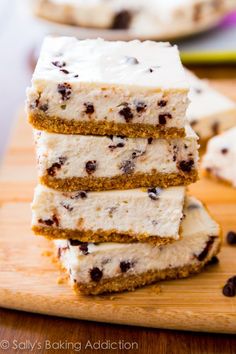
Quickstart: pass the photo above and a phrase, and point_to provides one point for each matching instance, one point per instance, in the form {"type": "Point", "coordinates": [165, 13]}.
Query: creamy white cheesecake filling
{"type": "Point", "coordinates": [151, 212]}
{"type": "Point", "coordinates": [209, 112]}
{"type": "Point", "coordinates": [112, 154]}
{"type": "Point", "coordinates": [121, 82]}
{"type": "Point", "coordinates": [200, 240]}
{"type": "Point", "coordinates": [220, 157]}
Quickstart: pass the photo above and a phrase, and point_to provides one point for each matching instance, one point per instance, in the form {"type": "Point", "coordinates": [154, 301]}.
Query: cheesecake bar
{"type": "Point", "coordinates": [95, 87]}
{"type": "Point", "coordinates": [220, 158]}
{"type": "Point", "coordinates": [75, 162]}
{"type": "Point", "coordinates": [209, 112]}
{"type": "Point", "coordinates": [111, 267]}
{"type": "Point", "coordinates": [146, 215]}
{"type": "Point", "coordinates": [138, 18]}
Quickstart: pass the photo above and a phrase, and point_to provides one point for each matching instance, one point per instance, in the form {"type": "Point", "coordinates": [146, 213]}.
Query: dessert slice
{"type": "Point", "coordinates": [74, 162]}
{"type": "Point", "coordinates": [209, 112]}
{"type": "Point", "coordinates": [220, 157]}
{"type": "Point", "coordinates": [108, 267]}
{"type": "Point", "coordinates": [94, 87]}
{"type": "Point", "coordinates": [145, 215]}
{"type": "Point", "coordinates": [150, 18]}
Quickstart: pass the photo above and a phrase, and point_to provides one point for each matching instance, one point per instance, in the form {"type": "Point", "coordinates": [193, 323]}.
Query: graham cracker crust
{"type": "Point", "coordinates": [131, 282]}
{"type": "Point", "coordinates": [54, 124]}
{"type": "Point", "coordinates": [136, 180]}
{"type": "Point", "coordinates": [99, 235]}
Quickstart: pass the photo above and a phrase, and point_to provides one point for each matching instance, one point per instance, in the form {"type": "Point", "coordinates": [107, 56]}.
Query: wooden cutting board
{"type": "Point", "coordinates": [28, 278]}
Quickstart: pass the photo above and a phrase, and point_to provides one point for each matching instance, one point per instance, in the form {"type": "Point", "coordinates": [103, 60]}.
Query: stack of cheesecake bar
{"type": "Point", "coordinates": [114, 154]}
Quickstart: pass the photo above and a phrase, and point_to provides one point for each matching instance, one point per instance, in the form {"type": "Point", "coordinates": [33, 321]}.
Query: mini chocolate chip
{"type": "Point", "coordinates": [62, 160]}
{"type": "Point", "coordinates": [55, 220]}
{"type": "Point", "coordinates": [215, 128]}
{"type": "Point", "coordinates": [74, 242]}
{"type": "Point", "coordinates": [126, 113]}
{"type": "Point", "coordinates": [43, 107]}
{"type": "Point", "coordinates": [229, 290]}
{"type": "Point", "coordinates": [63, 106]}
{"type": "Point", "coordinates": [163, 117]}
{"type": "Point", "coordinates": [65, 90]}
{"type": "Point", "coordinates": [76, 75]}
{"type": "Point", "coordinates": [84, 248]}
{"type": "Point", "coordinates": [206, 250]}
{"type": "Point", "coordinates": [232, 280]}
{"type": "Point", "coordinates": [224, 151]}
{"type": "Point", "coordinates": [56, 166]}
{"type": "Point", "coordinates": [89, 108]}
{"type": "Point", "coordinates": [186, 166]}
{"type": "Point", "coordinates": [131, 60]}
{"type": "Point", "coordinates": [150, 140]}
{"type": "Point", "coordinates": [96, 274]}
{"type": "Point", "coordinates": [154, 193]}
{"type": "Point", "coordinates": [150, 70]}
{"type": "Point", "coordinates": [64, 71]}
{"type": "Point", "coordinates": [125, 266]}
{"type": "Point", "coordinates": [137, 153]}
{"type": "Point", "coordinates": [141, 107]}
{"type": "Point", "coordinates": [81, 194]}
{"type": "Point", "coordinates": [51, 171]}
{"type": "Point", "coordinates": [59, 64]}
{"type": "Point", "coordinates": [122, 20]}
{"type": "Point", "coordinates": [113, 147]}
{"type": "Point", "coordinates": [231, 238]}
{"type": "Point", "coordinates": [67, 206]}
{"type": "Point", "coordinates": [214, 260]}
{"type": "Point", "coordinates": [91, 166]}
{"type": "Point", "coordinates": [127, 166]}
{"type": "Point", "coordinates": [48, 222]}
{"type": "Point", "coordinates": [162, 103]}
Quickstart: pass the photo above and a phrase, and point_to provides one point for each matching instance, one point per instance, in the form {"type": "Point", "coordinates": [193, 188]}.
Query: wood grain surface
{"type": "Point", "coordinates": [28, 279]}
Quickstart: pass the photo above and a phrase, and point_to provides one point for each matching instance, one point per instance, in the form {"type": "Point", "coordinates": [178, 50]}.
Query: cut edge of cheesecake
{"type": "Point", "coordinates": [129, 282]}
{"type": "Point", "coordinates": [132, 282]}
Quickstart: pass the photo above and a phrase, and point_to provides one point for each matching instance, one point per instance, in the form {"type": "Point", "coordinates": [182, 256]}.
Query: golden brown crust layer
{"type": "Point", "coordinates": [53, 124]}
{"type": "Point", "coordinates": [99, 235]}
{"type": "Point", "coordinates": [125, 181]}
{"type": "Point", "coordinates": [131, 282]}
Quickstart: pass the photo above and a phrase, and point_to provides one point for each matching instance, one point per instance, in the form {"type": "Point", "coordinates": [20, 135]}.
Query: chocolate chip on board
{"type": "Point", "coordinates": [231, 238]}
{"type": "Point", "coordinates": [229, 290]}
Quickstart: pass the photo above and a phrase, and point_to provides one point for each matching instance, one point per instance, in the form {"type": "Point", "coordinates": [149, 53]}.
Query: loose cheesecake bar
{"type": "Point", "coordinates": [110, 267]}
{"type": "Point", "coordinates": [94, 87]}
{"type": "Point", "coordinates": [140, 18]}
{"type": "Point", "coordinates": [75, 162]}
{"type": "Point", "coordinates": [145, 215]}
{"type": "Point", "coordinates": [209, 112]}
{"type": "Point", "coordinates": [220, 157]}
